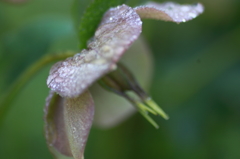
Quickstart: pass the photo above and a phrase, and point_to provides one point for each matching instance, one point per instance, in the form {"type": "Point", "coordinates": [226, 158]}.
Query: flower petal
{"type": "Point", "coordinates": [67, 123]}
{"type": "Point", "coordinates": [143, 65]}
{"type": "Point", "coordinates": [55, 131]}
{"type": "Point", "coordinates": [78, 116]}
{"type": "Point", "coordinates": [111, 112]}
{"type": "Point", "coordinates": [169, 11]}
{"type": "Point", "coordinates": [120, 26]}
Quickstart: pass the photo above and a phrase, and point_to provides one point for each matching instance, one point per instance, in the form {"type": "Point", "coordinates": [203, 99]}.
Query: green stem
{"type": "Point", "coordinates": [7, 100]}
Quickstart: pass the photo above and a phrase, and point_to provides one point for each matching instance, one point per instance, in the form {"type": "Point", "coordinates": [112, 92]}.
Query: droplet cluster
{"type": "Point", "coordinates": [120, 26]}
{"type": "Point", "coordinates": [170, 11]}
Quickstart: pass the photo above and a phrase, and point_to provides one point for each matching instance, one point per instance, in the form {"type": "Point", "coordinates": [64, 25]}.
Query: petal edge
{"type": "Point", "coordinates": [169, 11]}
{"type": "Point", "coordinates": [78, 117]}
{"type": "Point", "coordinates": [55, 132]}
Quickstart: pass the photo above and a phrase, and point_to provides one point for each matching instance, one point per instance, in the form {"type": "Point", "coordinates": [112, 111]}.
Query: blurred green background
{"type": "Point", "coordinates": [196, 81]}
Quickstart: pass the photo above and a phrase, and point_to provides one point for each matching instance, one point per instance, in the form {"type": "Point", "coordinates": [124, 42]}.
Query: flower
{"type": "Point", "coordinates": [69, 108]}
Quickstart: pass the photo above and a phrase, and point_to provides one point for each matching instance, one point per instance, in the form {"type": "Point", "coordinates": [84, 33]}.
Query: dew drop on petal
{"type": "Point", "coordinates": [169, 11]}
{"type": "Point", "coordinates": [58, 79]}
{"type": "Point", "coordinates": [119, 28]}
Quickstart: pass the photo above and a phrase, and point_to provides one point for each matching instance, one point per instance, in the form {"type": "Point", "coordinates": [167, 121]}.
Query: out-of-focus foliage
{"type": "Point", "coordinates": [196, 80]}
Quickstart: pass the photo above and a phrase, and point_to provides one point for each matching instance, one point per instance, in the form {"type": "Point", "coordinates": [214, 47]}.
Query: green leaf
{"type": "Point", "coordinates": [77, 11]}
{"type": "Point", "coordinates": [92, 18]}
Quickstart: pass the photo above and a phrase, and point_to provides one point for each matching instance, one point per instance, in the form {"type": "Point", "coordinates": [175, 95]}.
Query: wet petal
{"type": "Point", "coordinates": [55, 131]}
{"type": "Point", "coordinates": [169, 11]}
{"type": "Point", "coordinates": [67, 123]}
{"type": "Point", "coordinates": [78, 116]}
{"type": "Point", "coordinates": [120, 26]}
{"type": "Point", "coordinates": [112, 109]}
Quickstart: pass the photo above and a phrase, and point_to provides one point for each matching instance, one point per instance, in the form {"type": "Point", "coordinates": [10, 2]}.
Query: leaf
{"type": "Point", "coordinates": [78, 116]}
{"type": "Point", "coordinates": [92, 17]}
{"type": "Point", "coordinates": [169, 11]}
{"type": "Point", "coordinates": [77, 11]}
{"type": "Point", "coordinates": [119, 28]}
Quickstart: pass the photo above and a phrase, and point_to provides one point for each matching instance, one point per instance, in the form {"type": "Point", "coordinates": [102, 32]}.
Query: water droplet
{"type": "Point", "coordinates": [58, 79]}
{"type": "Point", "coordinates": [185, 8]}
{"type": "Point", "coordinates": [73, 129]}
{"type": "Point", "coordinates": [83, 86]}
{"type": "Point", "coordinates": [106, 51]}
{"type": "Point", "coordinates": [75, 58]}
{"type": "Point", "coordinates": [111, 18]}
{"type": "Point", "coordinates": [113, 67]}
{"type": "Point", "coordinates": [65, 63]}
{"type": "Point", "coordinates": [90, 56]}
{"type": "Point", "coordinates": [192, 15]}
{"type": "Point", "coordinates": [99, 61]}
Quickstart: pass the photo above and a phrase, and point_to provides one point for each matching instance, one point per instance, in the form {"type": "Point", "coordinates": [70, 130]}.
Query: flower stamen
{"type": "Point", "coordinates": [122, 82]}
